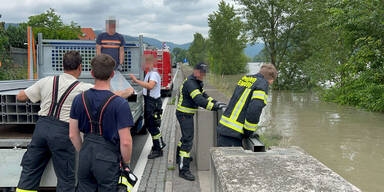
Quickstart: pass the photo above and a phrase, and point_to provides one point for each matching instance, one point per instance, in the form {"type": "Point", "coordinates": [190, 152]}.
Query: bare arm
{"type": "Point", "coordinates": [125, 144]}
{"type": "Point", "coordinates": [125, 93]}
{"type": "Point", "coordinates": [148, 85]}
{"type": "Point", "coordinates": [74, 133]}
{"type": "Point", "coordinates": [121, 55]}
{"type": "Point", "coordinates": [98, 49]}
{"type": "Point", "coordinates": [22, 96]}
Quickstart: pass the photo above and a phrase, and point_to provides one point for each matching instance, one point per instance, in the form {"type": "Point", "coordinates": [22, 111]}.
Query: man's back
{"type": "Point", "coordinates": [117, 114]}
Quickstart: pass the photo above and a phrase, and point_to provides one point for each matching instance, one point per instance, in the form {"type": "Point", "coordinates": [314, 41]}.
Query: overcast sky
{"type": "Point", "coordinates": [165, 20]}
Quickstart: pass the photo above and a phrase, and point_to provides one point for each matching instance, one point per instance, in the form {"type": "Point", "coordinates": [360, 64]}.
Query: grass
{"type": "Point", "coordinates": [171, 168]}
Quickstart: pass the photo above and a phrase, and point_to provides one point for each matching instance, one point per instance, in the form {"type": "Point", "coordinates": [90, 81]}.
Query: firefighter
{"type": "Point", "coordinates": [240, 118]}
{"type": "Point", "coordinates": [105, 119]}
{"type": "Point", "coordinates": [152, 105]}
{"type": "Point", "coordinates": [111, 43]}
{"type": "Point", "coordinates": [191, 96]}
{"type": "Point", "coordinates": [50, 137]}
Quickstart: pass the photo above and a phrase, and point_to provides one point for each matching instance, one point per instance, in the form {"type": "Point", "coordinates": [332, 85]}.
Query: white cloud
{"type": "Point", "coordinates": [166, 20]}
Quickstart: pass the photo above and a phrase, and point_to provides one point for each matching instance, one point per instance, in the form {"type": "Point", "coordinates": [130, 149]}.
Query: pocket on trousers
{"type": "Point", "coordinates": [107, 157]}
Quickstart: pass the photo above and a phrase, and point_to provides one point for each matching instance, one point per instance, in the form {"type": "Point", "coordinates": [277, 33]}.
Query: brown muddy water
{"type": "Point", "coordinates": [350, 141]}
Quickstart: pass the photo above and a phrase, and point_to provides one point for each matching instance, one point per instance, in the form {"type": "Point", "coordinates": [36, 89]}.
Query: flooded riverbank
{"type": "Point", "coordinates": [347, 140]}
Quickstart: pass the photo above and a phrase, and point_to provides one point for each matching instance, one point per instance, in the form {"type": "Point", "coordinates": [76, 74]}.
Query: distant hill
{"type": "Point", "coordinates": [252, 50]}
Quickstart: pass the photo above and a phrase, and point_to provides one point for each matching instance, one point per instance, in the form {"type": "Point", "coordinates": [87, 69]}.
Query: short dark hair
{"type": "Point", "coordinates": [102, 66]}
{"type": "Point", "coordinates": [71, 60]}
{"type": "Point", "coordinates": [268, 71]}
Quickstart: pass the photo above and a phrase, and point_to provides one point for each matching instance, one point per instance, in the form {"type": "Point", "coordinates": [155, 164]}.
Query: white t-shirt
{"type": "Point", "coordinates": [155, 76]}
{"type": "Point", "coordinates": [42, 91]}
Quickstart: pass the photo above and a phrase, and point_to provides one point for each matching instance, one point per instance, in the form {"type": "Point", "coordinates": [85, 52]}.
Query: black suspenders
{"type": "Point", "coordinates": [55, 108]}
{"type": "Point", "coordinates": [149, 77]}
{"type": "Point", "coordinates": [95, 117]}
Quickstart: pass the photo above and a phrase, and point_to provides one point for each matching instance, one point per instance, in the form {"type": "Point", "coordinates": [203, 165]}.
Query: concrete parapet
{"type": "Point", "coordinates": [279, 169]}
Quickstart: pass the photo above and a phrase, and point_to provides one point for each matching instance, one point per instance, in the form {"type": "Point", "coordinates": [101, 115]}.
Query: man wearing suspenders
{"type": "Point", "coordinates": [152, 105]}
{"type": "Point", "coordinates": [50, 137]}
{"type": "Point", "coordinates": [105, 119]}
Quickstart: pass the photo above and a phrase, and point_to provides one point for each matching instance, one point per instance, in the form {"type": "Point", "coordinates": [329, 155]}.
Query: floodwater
{"type": "Point", "coordinates": [350, 141]}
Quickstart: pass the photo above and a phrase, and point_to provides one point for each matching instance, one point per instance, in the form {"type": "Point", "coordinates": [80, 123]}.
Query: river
{"type": "Point", "coordinates": [350, 141]}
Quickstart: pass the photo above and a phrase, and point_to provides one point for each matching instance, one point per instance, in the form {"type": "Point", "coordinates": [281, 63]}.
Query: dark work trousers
{"type": "Point", "coordinates": [50, 139]}
{"type": "Point", "coordinates": [187, 130]}
{"type": "Point", "coordinates": [150, 106]}
{"type": "Point", "coordinates": [99, 165]}
{"type": "Point", "coordinates": [224, 141]}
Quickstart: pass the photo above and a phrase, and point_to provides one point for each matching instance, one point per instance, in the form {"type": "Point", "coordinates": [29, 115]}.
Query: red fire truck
{"type": "Point", "coordinates": [163, 66]}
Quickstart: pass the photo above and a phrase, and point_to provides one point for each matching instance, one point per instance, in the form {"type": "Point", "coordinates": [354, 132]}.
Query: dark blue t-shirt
{"type": "Point", "coordinates": [116, 115]}
{"type": "Point", "coordinates": [110, 44]}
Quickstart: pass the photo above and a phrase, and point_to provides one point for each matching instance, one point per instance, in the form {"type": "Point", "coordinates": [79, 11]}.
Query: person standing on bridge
{"type": "Point", "coordinates": [240, 119]}
{"type": "Point", "coordinates": [50, 137]}
{"type": "Point", "coordinates": [152, 105]}
{"type": "Point", "coordinates": [191, 96]}
{"type": "Point", "coordinates": [111, 43]}
{"type": "Point", "coordinates": [105, 119]}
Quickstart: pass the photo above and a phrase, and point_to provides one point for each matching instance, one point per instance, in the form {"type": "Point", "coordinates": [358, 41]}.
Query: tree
{"type": "Point", "coordinates": [180, 54]}
{"type": "Point", "coordinates": [227, 41]}
{"type": "Point", "coordinates": [197, 50]}
{"type": "Point", "coordinates": [17, 35]}
{"type": "Point", "coordinates": [272, 21]}
{"type": "Point", "coordinates": [359, 25]}
{"type": "Point", "coordinates": [52, 26]}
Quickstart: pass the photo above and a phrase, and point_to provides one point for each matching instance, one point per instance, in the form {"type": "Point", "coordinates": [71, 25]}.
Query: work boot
{"type": "Point", "coordinates": [155, 153]}
{"type": "Point", "coordinates": [157, 148]}
{"type": "Point", "coordinates": [184, 171]}
{"type": "Point", "coordinates": [186, 175]}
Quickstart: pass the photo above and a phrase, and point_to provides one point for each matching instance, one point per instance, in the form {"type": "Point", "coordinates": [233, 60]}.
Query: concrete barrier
{"type": "Point", "coordinates": [205, 137]}
{"type": "Point", "coordinates": [279, 169]}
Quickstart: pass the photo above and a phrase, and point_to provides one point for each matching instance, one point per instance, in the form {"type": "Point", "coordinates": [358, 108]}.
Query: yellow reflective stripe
{"type": "Point", "coordinates": [179, 144]}
{"type": "Point", "coordinates": [240, 104]}
{"type": "Point", "coordinates": [232, 124]}
{"type": "Point", "coordinates": [184, 154]}
{"type": "Point", "coordinates": [195, 93]}
{"type": "Point", "coordinates": [250, 126]}
{"type": "Point", "coordinates": [260, 95]}
{"type": "Point", "coordinates": [209, 105]}
{"type": "Point", "coordinates": [181, 93]}
{"type": "Point", "coordinates": [185, 109]}
{"type": "Point", "coordinates": [155, 137]}
{"type": "Point", "coordinates": [210, 98]}
{"type": "Point", "coordinates": [23, 190]}
{"type": "Point", "coordinates": [124, 181]}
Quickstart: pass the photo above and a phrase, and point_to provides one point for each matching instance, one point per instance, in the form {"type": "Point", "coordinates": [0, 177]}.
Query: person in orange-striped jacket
{"type": "Point", "coordinates": [111, 43]}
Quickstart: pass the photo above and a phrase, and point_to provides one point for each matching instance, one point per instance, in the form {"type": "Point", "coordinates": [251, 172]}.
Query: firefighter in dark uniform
{"type": "Point", "coordinates": [105, 119]}
{"type": "Point", "coordinates": [191, 96]}
{"type": "Point", "coordinates": [50, 137]}
{"type": "Point", "coordinates": [152, 105]}
{"type": "Point", "coordinates": [242, 115]}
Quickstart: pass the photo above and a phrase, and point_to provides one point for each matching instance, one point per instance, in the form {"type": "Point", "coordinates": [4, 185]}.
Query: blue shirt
{"type": "Point", "coordinates": [110, 44]}
{"type": "Point", "coordinates": [116, 115]}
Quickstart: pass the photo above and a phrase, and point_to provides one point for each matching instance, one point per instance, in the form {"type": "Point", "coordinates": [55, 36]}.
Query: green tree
{"type": "Point", "coordinates": [17, 35]}
{"type": "Point", "coordinates": [52, 26]}
{"type": "Point", "coordinates": [179, 54]}
{"type": "Point", "coordinates": [197, 50]}
{"type": "Point", "coordinates": [4, 44]}
{"type": "Point", "coordinates": [272, 21]}
{"type": "Point", "coordinates": [227, 41]}
{"type": "Point", "coordinates": [359, 25]}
